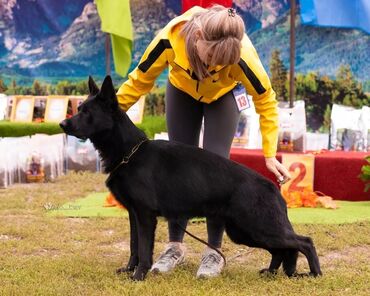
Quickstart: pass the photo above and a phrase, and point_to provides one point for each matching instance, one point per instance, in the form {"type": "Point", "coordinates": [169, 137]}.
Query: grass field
{"type": "Point", "coordinates": [45, 255]}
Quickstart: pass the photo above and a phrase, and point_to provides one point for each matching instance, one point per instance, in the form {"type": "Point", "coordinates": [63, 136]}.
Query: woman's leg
{"type": "Point", "coordinates": [220, 122]}
{"type": "Point", "coordinates": [184, 118]}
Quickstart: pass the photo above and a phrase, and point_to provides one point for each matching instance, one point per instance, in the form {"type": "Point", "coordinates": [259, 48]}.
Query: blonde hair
{"type": "Point", "coordinates": [219, 30]}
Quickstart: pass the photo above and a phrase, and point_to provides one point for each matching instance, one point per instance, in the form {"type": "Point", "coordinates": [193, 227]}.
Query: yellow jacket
{"type": "Point", "coordinates": [168, 50]}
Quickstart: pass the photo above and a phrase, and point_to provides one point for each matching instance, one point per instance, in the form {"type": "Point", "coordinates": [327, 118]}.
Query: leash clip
{"type": "Point", "coordinates": [283, 181]}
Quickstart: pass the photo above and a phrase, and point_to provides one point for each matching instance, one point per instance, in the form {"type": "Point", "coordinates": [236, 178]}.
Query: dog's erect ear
{"type": "Point", "coordinates": [93, 88]}
{"type": "Point", "coordinates": [107, 89]}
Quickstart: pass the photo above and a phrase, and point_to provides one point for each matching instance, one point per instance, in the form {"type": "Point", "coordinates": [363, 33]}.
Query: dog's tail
{"type": "Point", "coordinates": [290, 257]}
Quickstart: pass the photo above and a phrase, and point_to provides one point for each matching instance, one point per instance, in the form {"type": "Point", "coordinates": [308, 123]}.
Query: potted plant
{"type": "Point", "coordinates": [365, 173]}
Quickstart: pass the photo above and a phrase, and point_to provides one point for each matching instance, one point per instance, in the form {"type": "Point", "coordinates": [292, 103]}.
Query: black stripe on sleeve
{"type": "Point", "coordinates": [252, 77]}
{"type": "Point", "coordinates": [155, 54]}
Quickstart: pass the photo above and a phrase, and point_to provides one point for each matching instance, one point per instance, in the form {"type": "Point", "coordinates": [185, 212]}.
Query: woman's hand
{"type": "Point", "coordinates": [281, 173]}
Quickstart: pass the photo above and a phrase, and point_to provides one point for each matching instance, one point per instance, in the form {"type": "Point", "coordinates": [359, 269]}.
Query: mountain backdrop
{"type": "Point", "coordinates": [53, 40]}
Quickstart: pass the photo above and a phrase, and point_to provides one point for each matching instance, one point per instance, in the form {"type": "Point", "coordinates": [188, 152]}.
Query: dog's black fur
{"type": "Point", "coordinates": [179, 181]}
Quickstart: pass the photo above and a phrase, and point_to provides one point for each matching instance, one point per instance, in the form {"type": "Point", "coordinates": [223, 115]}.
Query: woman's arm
{"type": "Point", "coordinates": [257, 83]}
{"type": "Point", "coordinates": [251, 73]}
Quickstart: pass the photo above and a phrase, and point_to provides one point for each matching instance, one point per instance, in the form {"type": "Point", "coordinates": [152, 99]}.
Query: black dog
{"type": "Point", "coordinates": [161, 178]}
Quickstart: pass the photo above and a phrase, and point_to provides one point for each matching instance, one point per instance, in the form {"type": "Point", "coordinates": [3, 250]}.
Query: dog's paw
{"type": "Point", "coordinates": [267, 272]}
{"type": "Point", "coordinates": [305, 274]}
{"type": "Point", "coordinates": [137, 278]}
{"type": "Point", "coordinates": [314, 274]}
{"type": "Point", "coordinates": [125, 269]}
{"type": "Point", "coordinates": [139, 275]}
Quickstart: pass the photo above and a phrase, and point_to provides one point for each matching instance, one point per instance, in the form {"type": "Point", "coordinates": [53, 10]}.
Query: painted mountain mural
{"type": "Point", "coordinates": [53, 40]}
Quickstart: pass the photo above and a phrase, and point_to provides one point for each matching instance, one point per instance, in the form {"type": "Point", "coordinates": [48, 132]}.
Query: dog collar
{"type": "Point", "coordinates": [125, 159]}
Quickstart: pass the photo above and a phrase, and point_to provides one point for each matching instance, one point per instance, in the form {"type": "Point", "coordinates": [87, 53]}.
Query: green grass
{"type": "Point", "coordinates": [44, 255]}
{"type": "Point", "coordinates": [85, 207]}
{"type": "Point", "coordinates": [150, 125]}
{"type": "Point", "coordinates": [348, 212]}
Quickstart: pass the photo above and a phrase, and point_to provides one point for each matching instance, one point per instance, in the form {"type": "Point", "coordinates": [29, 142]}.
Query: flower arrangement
{"type": "Point", "coordinates": [308, 198]}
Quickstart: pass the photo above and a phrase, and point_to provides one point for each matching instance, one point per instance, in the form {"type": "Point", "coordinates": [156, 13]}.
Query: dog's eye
{"type": "Point", "coordinates": [87, 116]}
{"type": "Point", "coordinates": [83, 111]}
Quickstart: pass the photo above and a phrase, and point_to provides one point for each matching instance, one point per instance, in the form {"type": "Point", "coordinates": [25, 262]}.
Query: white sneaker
{"type": "Point", "coordinates": [211, 265]}
{"type": "Point", "coordinates": [173, 255]}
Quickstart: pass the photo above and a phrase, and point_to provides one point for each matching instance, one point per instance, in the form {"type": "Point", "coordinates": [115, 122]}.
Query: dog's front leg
{"type": "Point", "coordinates": [134, 256]}
{"type": "Point", "coordinates": [146, 224]}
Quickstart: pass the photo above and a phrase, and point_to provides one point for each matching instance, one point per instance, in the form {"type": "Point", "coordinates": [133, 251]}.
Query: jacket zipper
{"type": "Point", "coordinates": [187, 72]}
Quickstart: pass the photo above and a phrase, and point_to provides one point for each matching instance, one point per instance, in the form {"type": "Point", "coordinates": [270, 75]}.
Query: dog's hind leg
{"type": "Point", "coordinates": [290, 245]}
{"type": "Point", "coordinates": [290, 257]}
{"type": "Point", "coordinates": [146, 222]}
{"type": "Point", "coordinates": [238, 236]}
{"type": "Point", "coordinates": [307, 247]}
{"type": "Point", "coordinates": [134, 256]}
{"type": "Point", "coordinates": [276, 260]}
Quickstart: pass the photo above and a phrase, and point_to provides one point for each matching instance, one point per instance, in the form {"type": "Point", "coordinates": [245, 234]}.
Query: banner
{"type": "Point", "coordinates": [292, 127]}
{"type": "Point", "coordinates": [115, 18]}
{"type": "Point", "coordinates": [336, 13]}
{"type": "Point", "coordinates": [187, 4]}
{"type": "Point", "coordinates": [53, 41]}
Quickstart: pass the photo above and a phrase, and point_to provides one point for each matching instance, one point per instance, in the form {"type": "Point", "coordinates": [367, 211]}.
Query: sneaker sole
{"type": "Point", "coordinates": [158, 271]}
{"type": "Point", "coordinates": [207, 276]}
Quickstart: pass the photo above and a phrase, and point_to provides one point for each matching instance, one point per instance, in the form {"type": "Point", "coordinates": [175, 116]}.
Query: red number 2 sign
{"type": "Point", "coordinates": [301, 174]}
{"type": "Point", "coordinates": [302, 171]}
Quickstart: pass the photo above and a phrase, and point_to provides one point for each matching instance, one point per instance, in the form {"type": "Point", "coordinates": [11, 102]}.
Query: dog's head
{"type": "Point", "coordinates": [95, 114]}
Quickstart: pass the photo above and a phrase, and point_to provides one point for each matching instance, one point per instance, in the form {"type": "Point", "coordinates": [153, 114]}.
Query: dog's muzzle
{"type": "Point", "coordinates": [67, 126]}
{"type": "Point", "coordinates": [64, 125]}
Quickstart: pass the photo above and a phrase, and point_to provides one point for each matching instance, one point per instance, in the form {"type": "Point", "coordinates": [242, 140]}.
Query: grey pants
{"type": "Point", "coordinates": [184, 119]}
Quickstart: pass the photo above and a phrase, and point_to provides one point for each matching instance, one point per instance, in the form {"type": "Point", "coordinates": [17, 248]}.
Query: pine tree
{"type": "Point", "coordinates": [3, 87]}
{"type": "Point", "coordinates": [82, 88]}
{"type": "Point", "coordinates": [50, 89]}
{"type": "Point", "coordinates": [64, 87]}
{"type": "Point", "coordinates": [349, 91]}
{"type": "Point", "coordinates": [37, 89]}
{"type": "Point", "coordinates": [327, 119]}
{"type": "Point", "coordinates": [278, 76]}
{"type": "Point", "coordinates": [12, 89]}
